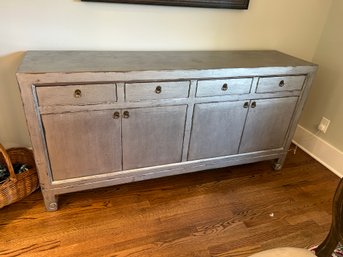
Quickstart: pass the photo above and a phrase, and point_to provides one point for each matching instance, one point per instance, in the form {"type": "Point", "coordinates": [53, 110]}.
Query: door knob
{"type": "Point", "coordinates": [126, 115]}
{"type": "Point", "coordinates": [116, 115]}
{"type": "Point", "coordinates": [158, 90]}
{"type": "Point", "coordinates": [225, 87]}
{"type": "Point", "coordinates": [77, 93]}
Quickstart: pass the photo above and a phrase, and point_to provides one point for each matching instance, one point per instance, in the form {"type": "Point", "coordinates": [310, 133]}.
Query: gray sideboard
{"type": "Point", "coordinates": [104, 118]}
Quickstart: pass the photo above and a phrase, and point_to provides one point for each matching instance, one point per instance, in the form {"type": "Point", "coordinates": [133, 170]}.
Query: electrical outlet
{"type": "Point", "coordinates": [323, 125]}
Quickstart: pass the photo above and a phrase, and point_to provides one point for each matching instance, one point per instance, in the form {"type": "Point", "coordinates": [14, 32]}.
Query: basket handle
{"type": "Point", "coordinates": [8, 163]}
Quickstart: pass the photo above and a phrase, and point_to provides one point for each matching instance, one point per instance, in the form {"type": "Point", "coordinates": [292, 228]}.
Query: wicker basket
{"type": "Point", "coordinates": [17, 186]}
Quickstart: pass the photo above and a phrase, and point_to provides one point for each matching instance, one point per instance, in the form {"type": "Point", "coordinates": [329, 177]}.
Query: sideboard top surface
{"type": "Point", "coordinates": [115, 61]}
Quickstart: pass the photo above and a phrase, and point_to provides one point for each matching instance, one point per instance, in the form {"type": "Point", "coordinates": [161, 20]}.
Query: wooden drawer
{"type": "Point", "coordinates": [223, 87]}
{"type": "Point", "coordinates": [276, 84]}
{"type": "Point", "coordinates": [156, 90]}
{"type": "Point", "coordinates": [76, 94]}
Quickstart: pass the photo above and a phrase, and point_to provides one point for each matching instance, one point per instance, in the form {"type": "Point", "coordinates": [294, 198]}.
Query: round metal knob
{"type": "Point", "coordinates": [77, 93]}
{"type": "Point", "coordinates": [246, 105]}
{"type": "Point", "coordinates": [253, 104]}
{"type": "Point", "coordinates": [282, 83]}
{"type": "Point", "coordinates": [158, 90]}
{"type": "Point", "coordinates": [126, 115]}
{"type": "Point", "coordinates": [225, 87]}
{"type": "Point", "coordinates": [116, 115]}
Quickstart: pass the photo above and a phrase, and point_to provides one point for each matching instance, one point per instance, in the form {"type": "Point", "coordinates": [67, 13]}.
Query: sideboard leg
{"type": "Point", "coordinates": [277, 166]}
{"type": "Point", "coordinates": [278, 163]}
{"type": "Point", "coordinates": [50, 201]}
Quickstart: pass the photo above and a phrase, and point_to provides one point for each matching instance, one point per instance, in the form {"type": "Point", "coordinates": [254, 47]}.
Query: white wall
{"type": "Point", "coordinates": [327, 93]}
{"type": "Point", "coordinates": [291, 26]}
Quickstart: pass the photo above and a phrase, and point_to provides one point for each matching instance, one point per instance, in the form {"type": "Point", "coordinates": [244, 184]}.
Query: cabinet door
{"type": "Point", "coordinates": [83, 143]}
{"type": "Point", "coordinates": [216, 129]}
{"type": "Point", "coordinates": [153, 136]}
{"type": "Point", "coordinates": [267, 124]}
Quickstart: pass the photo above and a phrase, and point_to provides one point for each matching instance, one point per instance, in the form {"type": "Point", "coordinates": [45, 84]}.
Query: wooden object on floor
{"type": "Point", "coordinates": [228, 212]}
{"type": "Point", "coordinates": [104, 118]}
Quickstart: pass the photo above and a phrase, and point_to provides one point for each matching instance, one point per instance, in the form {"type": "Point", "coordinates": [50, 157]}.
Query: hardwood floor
{"type": "Point", "coordinates": [234, 211]}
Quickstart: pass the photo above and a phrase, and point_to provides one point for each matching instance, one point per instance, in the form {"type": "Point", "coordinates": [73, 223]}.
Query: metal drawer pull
{"type": "Point", "coordinates": [126, 115]}
{"type": "Point", "coordinates": [225, 87]}
{"type": "Point", "coordinates": [158, 90]}
{"type": "Point", "coordinates": [282, 83]}
{"type": "Point", "coordinates": [77, 93]}
{"type": "Point", "coordinates": [116, 115]}
{"type": "Point", "coordinates": [253, 104]}
{"type": "Point", "coordinates": [246, 105]}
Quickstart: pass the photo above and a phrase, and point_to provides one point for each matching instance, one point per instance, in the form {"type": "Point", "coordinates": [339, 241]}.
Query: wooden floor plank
{"type": "Point", "coordinates": [229, 212]}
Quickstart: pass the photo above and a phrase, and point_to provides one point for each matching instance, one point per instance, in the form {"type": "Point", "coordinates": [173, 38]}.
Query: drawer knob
{"type": "Point", "coordinates": [225, 87]}
{"type": "Point", "coordinates": [246, 105]}
{"type": "Point", "coordinates": [126, 115]}
{"type": "Point", "coordinates": [158, 90]}
{"type": "Point", "coordinates": [77, 93]}
{"type": "Point", "coordinates": [253, 104]}
{"type": "Point", "coordinates": [282, 83]}
{"type": "Point", "coordinates": [116, 115]}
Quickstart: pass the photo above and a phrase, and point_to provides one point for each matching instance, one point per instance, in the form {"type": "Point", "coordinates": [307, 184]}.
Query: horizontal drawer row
{"type": "Point", "coordinates": [76, 94]}
{"type": "Point", "coordinates": [107, 93]}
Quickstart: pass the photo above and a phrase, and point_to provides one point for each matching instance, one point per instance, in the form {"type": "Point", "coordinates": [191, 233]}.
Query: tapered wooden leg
{"type": "Point", "coordinates": [50, 201]}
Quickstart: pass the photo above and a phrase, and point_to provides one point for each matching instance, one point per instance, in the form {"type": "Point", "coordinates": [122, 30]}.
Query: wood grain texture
{"type": "Point", "coordinates": [156, 90]}
{"type": "Point", "coordinates": [102, 61]}
{"type": "Point", "coordinates": [216, 87]}
{"type": "Point", "coordinates": [65, 95]}
{"type": "Point", "coordinates": [226, 212]}
{"type": "Point", "coordinates": [335, 235]}
{"type": "Point", "coordinates": [217, 129]}
{"type": "Point", "coordinates": [149, 142]}
{"type": "Point", "coordinates": [276, 84]}
{"type": "Point", "coordinates": [276, 115]}
{"type": "Point", "coordinates": [92, 139]}
{"type": "Point", "coordinates": [136, 74]}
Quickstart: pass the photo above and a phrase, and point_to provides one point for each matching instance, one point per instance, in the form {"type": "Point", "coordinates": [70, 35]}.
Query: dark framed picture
{"type": "Point", "coordinates": [228, 4]}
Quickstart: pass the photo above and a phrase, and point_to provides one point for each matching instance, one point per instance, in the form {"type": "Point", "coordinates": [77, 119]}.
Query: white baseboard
{"type": "Point", "coordinates": [323, 152]}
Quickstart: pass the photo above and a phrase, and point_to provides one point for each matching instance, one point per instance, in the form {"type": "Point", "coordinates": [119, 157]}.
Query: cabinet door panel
{"type": "Point", "coordinates": [82, 143]}
{"type": "Point", "coordinates": [153, 136]}
{"type": "Point", "coordinates": [267, 124]}
{"type": "Point", "coordinates": [217, 129]}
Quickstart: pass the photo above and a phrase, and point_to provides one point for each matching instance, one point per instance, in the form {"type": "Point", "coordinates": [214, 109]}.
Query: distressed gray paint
{"type": "Point", "coordinates": [150, 158]}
